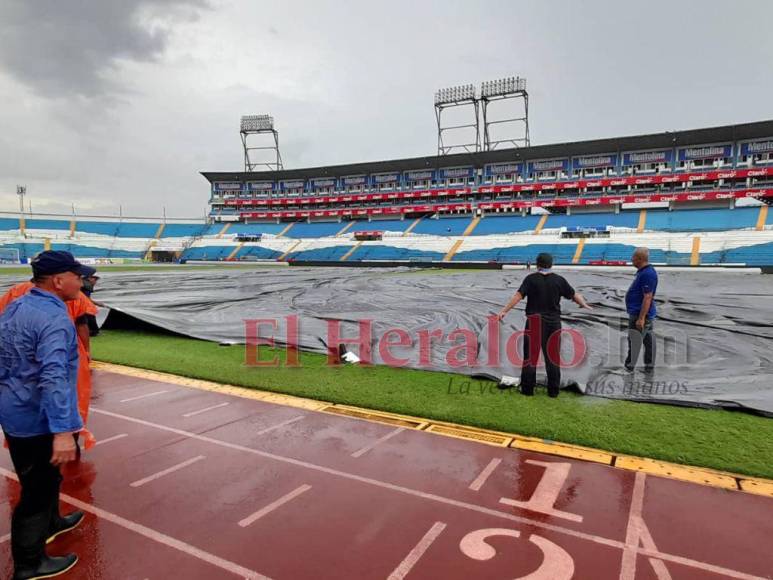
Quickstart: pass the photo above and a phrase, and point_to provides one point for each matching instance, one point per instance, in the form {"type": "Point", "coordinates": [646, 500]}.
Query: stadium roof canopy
{"type": "Point", "coordinates": [597, 146]}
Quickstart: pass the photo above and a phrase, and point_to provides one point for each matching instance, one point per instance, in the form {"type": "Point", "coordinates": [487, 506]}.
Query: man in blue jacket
{"type": "Point", "coordinates": [640, 305]}
{"type": "Point", "coordinates": [39, 409]}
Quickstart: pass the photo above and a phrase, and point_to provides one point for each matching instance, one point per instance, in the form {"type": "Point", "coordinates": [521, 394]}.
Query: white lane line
{"type": "Point", "coordinates": [156, 536]}
{"type": "Point", "coordinates": [155, 476]}
{"type": "Point", "coordinates": [434, 497]}
{"type": "Point", "coordinates": [200, 411]}
{"type": "Point", "coordinates": [418, 551]}
{"type": "Point", "coordinates": [274, 505]}
{"type": "Point", "coordinates": [633, 531]}
{"type": "Point", "coordinates": [484, 475]}
{"type": "Point", "coordinates": [113, 438]}
{"type": "Point", "coordinates": [659, 566]}
{"type": "Point", "coordinates": [279, 425]}
{"type": "Point", "coordinates": [364, 450]}
{"type": "Point", "coordinates": [130, 399]}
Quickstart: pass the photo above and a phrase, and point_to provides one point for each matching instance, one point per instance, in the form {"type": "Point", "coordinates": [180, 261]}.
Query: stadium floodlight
{"type": "Point", "coordinates": [510, 90]}
{"type": "Point", "coordinates": [260, 128]}
{"type": "Point", "coordinates": [455, 94]}
{"type": "Point", "coordinates": [458, 96]}
{"type": "Point", "coordinates": [21, 191]}
{"type": "Point", "coordinates": [499, 87]}
{"type": "Point", "coordinates": [257, 123]}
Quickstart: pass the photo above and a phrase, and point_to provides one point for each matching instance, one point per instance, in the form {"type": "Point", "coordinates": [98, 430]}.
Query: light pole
{"type": "Point", "coordinates": [21, 191]}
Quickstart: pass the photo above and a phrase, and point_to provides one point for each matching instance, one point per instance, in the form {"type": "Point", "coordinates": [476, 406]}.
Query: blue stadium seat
{"type": "Point", "coordinates": [368, 252]}
{"type": "Point", "coordinates": [562, 253]}
{"type": "Point", "coordinates": [257, 252]}
{"type": "Point", "coordinates": [494, 224]}
{"type": "Point", "coordinates": [137, 230]}
{"type": "Point", "coordinates": [208, 253]}
{"type": "Point", "coordinates": [39, 224]}
{"type": "Point", "coordinates": [314, 229]}
{"type": "Point", "coordinates": [102, 228]}
{"type": "Point", "coordinates": [26, 250]}
{"type": "Point", "coordinates": [616, 252]}
{"type": "Point", "coordinates": [252, 229]}
{"type": "Point", "coordinates": [332, 253]}
{"type": "Point", "coordinates": [380, 225]}
{"type": "Point", "coordinates": [754, 255]}
{"type": "Point", "coordinates": [450, 226]}
{"type": "Point", "coordinates": [702, 220]}
{"type": "Point", "coordinates": [628, 219]}
{"type": "Point", "coordinates": [7, 224]}
{"type": "Point", "coordinates": [183, 230]}
{"type": "Point", "coordinates": [212, 229]}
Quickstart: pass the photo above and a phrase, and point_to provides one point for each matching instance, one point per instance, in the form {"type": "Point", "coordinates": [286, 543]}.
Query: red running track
{"type": "Point", "coordinates": [192, 484]}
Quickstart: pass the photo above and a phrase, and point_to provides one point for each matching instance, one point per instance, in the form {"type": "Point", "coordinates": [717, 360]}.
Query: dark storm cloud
{"type": "Point", "coordinates": [65, 48]}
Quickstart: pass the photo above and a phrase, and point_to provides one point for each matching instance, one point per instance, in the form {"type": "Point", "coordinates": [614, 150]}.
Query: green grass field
{"type": "Point", "coordinates": [718, 439]}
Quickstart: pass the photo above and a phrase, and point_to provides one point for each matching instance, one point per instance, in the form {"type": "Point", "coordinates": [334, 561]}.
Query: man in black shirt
{"type": "Point", "coordinates": [543, 290]}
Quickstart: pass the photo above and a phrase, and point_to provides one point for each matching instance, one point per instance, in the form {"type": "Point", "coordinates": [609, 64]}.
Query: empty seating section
{"type": "Point", "coordinates": [315, 229]}
{"type": "Point", "coordinates": [451, 226]}
{"type": "Point", "coordinates": [39, 224]}
{"type": "Point", "coordinates": [183, 230]}
{"type": "Point", "coordinates": [330, 253]}
{"type": "Point", "coordinates": [257, 253]}
{"type": "Point", "coordinates": [752, 255]}
{"type": "Point", "coordinates": [9, 224]}
{"type": "Point", "coordinates": [379, 252]}
{"type": "Point", "coordinates": [702, 220]}
{"type": "Point", "coordinates": [208, 253]}
{"type": "Point", "coordinates": [562, 253]}
{"type": "Point", "coordinates": [379, 225]}
{"type": "Point", "coordinates": [727, 236]}
{"type": "Point", "coordinates": [137, 230]}
{"type": "Point", "coordinates": [84, 251]}
{"type": "Point", "coordinates": [254, 229]}
{"type": "Point", "coordinates": [101, 228]}
{"type": "Point", "coordinates": [212, 230]}
{"type": "Point", "coordinates": [494, 224]}
{"type": "Point", "coordinates": [26, 251]}
{"type": "Point", "coordinates": [622, 252]}
{"type": "Point", "coordinates": [594, 220]}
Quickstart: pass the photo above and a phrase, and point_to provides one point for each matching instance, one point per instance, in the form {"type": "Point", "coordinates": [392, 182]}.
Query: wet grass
{"type": "Point", "coordinates": [719, 439]}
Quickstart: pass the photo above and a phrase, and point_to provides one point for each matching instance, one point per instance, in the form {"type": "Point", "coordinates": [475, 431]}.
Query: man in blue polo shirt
{"type": "Point", "coordinates": [640, 304]}
{"type": "Point", "coordinates": [39, 409]}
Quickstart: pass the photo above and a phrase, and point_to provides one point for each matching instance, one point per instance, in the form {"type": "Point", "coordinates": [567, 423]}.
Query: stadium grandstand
{"type": "Point", "coordinates": [697, 197]}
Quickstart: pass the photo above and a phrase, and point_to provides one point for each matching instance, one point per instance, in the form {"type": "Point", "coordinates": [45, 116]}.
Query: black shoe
{"type": "Point", "coordinates": [65, 524]}
{"type": "Point", "coordinates": [49, 567]}
{"type": "Point", "coordinates": [552, 394]}
{"type": "Point", "coordinates": [629, 368]}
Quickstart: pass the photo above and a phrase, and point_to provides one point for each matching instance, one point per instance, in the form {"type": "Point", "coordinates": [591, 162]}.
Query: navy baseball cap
{"type": "Point", "coordinates": [88, 271]}
{"type": "Point", "coordinates": [52, 262]}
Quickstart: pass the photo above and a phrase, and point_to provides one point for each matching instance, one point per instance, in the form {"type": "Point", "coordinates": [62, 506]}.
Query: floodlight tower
{"type": "Point", "coordinates": [260, 128]}
{"type": "Point", "coordinates": [460, 96]}
{"type": "Point", "coordinates": [21, 191]}
{"type": "Point", "coordinates": [512, 90]}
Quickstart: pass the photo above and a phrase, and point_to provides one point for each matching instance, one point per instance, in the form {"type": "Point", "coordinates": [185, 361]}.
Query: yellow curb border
{"type": "Point", "coordinates": [698, 475]}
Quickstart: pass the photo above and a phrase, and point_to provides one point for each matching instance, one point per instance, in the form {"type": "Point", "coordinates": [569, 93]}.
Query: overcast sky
{"type": "Point", "coordinates": [122, 102]}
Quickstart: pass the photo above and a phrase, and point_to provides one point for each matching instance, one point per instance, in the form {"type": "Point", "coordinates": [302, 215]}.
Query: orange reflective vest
{"type": "Point", "coordinates": [80, 306]}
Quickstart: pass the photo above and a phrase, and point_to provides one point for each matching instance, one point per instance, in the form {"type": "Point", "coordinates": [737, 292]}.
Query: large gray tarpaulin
{"type": "Point", "coordinates": [714, 329]}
